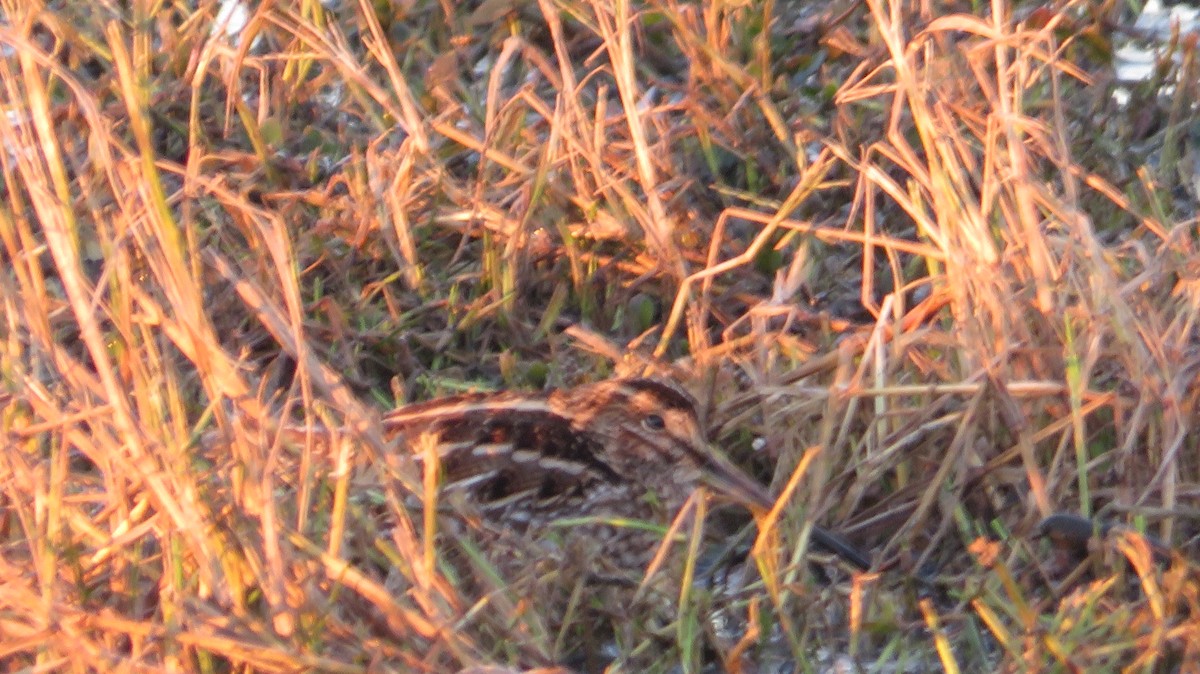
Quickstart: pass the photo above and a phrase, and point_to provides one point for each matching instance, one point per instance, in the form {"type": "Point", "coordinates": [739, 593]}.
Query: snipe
{"type": "Point", "coordinates": [631, 450]}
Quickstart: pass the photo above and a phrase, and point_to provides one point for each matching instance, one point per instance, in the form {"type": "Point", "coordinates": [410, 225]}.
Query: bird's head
{"type": "Point", "coordinates": [652, 434]}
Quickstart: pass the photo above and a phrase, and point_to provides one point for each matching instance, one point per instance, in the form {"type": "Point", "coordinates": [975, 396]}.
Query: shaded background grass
{"type": "Point", "coordinates": [932, 247]}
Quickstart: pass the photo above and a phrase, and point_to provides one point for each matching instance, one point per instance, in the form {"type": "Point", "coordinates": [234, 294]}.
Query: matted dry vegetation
{"type": "Point", "coordinates": [922, 268]}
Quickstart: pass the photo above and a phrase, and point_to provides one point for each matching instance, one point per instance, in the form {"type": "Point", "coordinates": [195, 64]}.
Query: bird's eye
{"type": "Point", "coordinates": [654, 422]}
